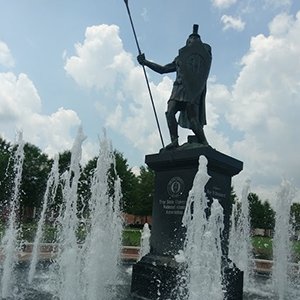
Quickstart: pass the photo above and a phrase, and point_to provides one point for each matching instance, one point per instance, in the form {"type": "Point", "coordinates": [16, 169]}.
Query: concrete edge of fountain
{"type": "Point", "coordinates": [48, 251]}
{"type": "Point", "coordinates": [129, 254]}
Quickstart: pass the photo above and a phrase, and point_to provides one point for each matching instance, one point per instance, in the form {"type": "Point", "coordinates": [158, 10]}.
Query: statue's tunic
{"type": "Point", "coordinates": [179, 94]}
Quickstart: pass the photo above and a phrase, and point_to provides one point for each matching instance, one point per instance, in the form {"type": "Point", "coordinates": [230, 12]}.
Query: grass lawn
{"type": "Point", "coordinates": [130, 237]}
{"type": "Point", "coordinates": [263, 246]}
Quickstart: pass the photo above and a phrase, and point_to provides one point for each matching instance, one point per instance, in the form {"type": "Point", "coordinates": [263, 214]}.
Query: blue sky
{"type": "Point", "coordinates": [69, 63]}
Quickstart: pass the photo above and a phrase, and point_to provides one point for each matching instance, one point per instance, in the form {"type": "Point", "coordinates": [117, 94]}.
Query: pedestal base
{"type": "Point", "coordinates": [160, 277]}
{"type": "Point", "coordinates": [155, 277]}
{"type": "Point", "coordinates": [233, 281]}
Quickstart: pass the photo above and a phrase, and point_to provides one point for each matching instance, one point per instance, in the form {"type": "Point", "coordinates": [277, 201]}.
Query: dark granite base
{"type": "Point", "coordinates": [156, 275]}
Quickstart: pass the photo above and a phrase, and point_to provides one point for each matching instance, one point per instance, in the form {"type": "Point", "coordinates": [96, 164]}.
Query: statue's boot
{"type": "Point", "coordinates": [174, 144]}
{"type": "Point", "coordinates": [173, 129]}
{"type": "Point", "coordinates": [201, 136]}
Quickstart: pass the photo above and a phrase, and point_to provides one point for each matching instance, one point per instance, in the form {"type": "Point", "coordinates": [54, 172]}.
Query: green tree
{"type": "Point", "coordinates": [5, 153]}
{"type": "Point", "coordinates": [295, 215]}
{"type": "Point", "coordinates": [64, 161]}
{"type": "Point", "coordinates": [84, 187]}
{"type": "Point", "coordinates": [145, 192]}
{"type": "Point", "coordinates": [256, 211]}
{"type": "Point", "coordinates": [36, 168]}
{"type": "Point", "coordinates": [261, 214]}
{"type": "Point", "coordinates": [6, 174]}
{"type": "Point", "coordinates": [269, 216]}
{"type": "Point", "coordinates": [128, 183]}
{"type": "Point", "coordinates": [233, 196]}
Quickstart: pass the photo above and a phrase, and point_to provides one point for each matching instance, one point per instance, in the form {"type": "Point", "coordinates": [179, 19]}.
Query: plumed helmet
{"type": "Point", "coordinates": [195, 31]}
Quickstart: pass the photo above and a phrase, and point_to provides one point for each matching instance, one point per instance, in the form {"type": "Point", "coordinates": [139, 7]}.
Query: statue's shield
{"type": "Point", "coordinates": [194, 62]}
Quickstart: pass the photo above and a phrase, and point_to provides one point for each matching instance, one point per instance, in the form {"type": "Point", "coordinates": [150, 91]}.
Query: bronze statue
{"type": "Point", "coordinates": [192, 67]}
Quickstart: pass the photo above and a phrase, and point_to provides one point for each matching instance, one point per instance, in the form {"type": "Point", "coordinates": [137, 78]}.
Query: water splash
{"type": "Point", "coordinates": [202, 249]}
{"type": "Point", "coordinates": [145, 241]}
{"type": "Point", "coordinates": [9, 241]}
{"type": "Point", "coordinates": [281, 240]}
{"type": "Point", "coordinates": [82, 270]}
{"type": "Point", "coordinates": [101, 250]}
{"type": "Point", "coordinates": [240, 246]}
{"type": "Point", "coordinates": [68, 256]}
{"type": "Point", "coordinates": [49, 195]}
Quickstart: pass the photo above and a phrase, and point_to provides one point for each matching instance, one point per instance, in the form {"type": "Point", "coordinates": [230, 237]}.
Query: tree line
{"type": "Point", "coordinates": [262, 215]}
{"type": "Point", "coordinates": [137, 189]}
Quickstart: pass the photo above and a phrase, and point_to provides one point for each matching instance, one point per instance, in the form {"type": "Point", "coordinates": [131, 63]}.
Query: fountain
{"type": "Point", "coordinates": [92, 269]}
{"type": "Point", "coordinates": [282, 283]}
{"type": "Point", "coordinates": [51, 189]}
{"type": "Point", "coordinates": [282, 246]}
{"type": "Point", "coordinates": [79, 271]}
{"type": "Point", "coordinates": [9, 241]}
{"type": "Point", "coordinates": [145, 241]}
{"type": "Point", "coordinates": [202, 249]}
{"type": "Point", "coordinates": [178, 190]}
{"type": "Point", "coordinates": [240, 247]}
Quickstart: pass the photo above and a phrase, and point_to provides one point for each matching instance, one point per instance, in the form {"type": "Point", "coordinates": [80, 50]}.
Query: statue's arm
{"type": "Point", "coordinates": [168, 68]}
{"type": "Point", "coordinates": [208, 49]}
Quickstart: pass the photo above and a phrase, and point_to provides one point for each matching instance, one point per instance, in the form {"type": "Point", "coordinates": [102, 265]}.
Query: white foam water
{"type": "Point", "coordinates": [90, 270]}
{"type": "Point", "coordinates": [101, 250]}
{"type": "Point", "coordinates": [240, 245]}
{"type": "Point", "coordinates": [51, 188]}
{"type": "Point", "coordinates": [9, 241]}
{"type": "Point", "coordinates": [281, 242]}
{"type": "Point", "coordinates": [85, 269]}
{"type": "Point", "coordinates": [145, 241]}
{"type": "Point", "coordinates": [202, 250]}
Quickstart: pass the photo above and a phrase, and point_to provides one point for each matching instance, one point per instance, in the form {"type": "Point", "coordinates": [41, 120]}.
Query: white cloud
{"type": "Point", "coordinates": [18, 96]}
{"type": "Point", "coordinates": [100, 60]}
{"type": "Point", "coordinates": [278, 3]}
{"type": "Point", "coordinates": [102, 63]}
{"type": "Point", "coordinates": [223, 3]}
{"type": "Point", "coordinates": [281, 24]}
{"type": "Point", "coordinates": [145, 14]}
{"type": "Point", "coordinates": [265, 104]}
{"type": "Point", "coordinates": [20, 109]}
{"type": "Point", "coordinates": [232, 23]}
{"type": "Point", "coordinates": [127, 107]}
{"type": "Point", "coordinates": [54, 133]}
{"type": "Point", "coordinates": [262, 105]}
{"type": "Point", "coordinates": [6, 59]}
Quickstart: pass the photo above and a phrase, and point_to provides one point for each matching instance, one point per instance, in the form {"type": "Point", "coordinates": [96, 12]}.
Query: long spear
{"type": "Point", "coordinates": [145, 74]}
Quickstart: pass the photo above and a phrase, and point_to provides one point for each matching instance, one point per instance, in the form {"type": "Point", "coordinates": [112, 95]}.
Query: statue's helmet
{"type": "Point", "coordinates": [194, 35]}
{"type": "Point", "coordinates": [195, 31]}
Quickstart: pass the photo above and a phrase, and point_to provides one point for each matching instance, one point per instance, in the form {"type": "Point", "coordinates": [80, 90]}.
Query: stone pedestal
{"type": "Point", "coordinates": [156, 273]}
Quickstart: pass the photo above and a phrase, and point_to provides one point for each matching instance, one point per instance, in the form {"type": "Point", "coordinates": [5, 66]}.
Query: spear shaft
{"type": "Point", "coordinates": [145, 74]}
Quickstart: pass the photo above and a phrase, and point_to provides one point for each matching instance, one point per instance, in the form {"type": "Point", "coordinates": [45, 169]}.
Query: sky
{"type": "Point", "coordinates": [71, 63]}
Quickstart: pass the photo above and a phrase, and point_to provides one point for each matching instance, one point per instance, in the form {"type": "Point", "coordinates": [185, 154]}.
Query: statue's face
{"type": "Point", "coordinates": [192, 39]}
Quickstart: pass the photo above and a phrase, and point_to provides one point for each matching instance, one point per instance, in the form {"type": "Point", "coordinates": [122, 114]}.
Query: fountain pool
{"type": "Point", "coordinates": [94, 270]}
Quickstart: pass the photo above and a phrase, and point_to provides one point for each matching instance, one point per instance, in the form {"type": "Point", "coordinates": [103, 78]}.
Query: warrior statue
{"type": "Point", "coordinates": [192, 67]}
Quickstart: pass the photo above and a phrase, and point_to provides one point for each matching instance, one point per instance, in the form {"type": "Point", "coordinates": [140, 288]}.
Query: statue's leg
{"type": "Point", "coordinates": [172, 123]}
{"type": "Point", "coordinates": [193, 115]}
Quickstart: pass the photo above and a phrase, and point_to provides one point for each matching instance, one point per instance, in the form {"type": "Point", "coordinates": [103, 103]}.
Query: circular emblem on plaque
{"type": "Point", "coordinates": [175, 187]}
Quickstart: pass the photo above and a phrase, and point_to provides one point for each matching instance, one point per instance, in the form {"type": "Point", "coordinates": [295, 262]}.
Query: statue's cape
{"type": "Point", "coordinates": [194, 61]}
{"type": "Point", "coordinates": [184, 121]}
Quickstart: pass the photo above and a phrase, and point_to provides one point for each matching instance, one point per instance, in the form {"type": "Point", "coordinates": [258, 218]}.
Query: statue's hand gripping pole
{"type": "Point", "coordinates": [145, 74]}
